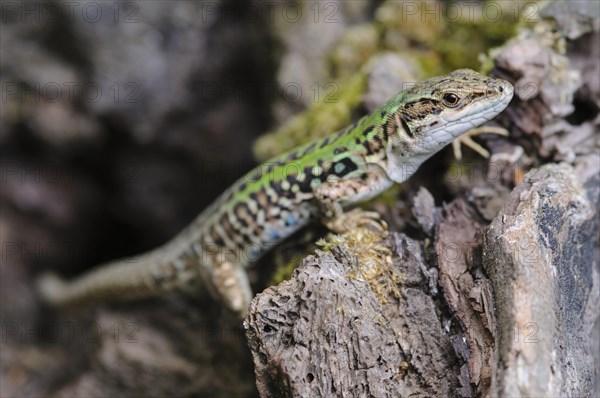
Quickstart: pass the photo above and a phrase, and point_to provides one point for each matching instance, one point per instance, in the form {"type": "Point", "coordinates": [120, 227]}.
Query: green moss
{"type": "Point", "coordinates": [283, 272]}
{"type": "Point", "coordinates": [289, 254]}
{"type": "Point", "coordinates": [438, 42]}
{"type": "Point", "coordinates": [353, 51]}
{"type": "Point", "coordinates": [373, 260]}
{"type": "Point", "coordinates": [389, 197]}
{"type": "Point", "coordinates": [334, 112]}
{"type": "Point", "coordinates": [446, 36]}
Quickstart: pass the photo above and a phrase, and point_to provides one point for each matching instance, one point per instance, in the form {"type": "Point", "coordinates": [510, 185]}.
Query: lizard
{"type": "Point", "coordinates": [316, 181]}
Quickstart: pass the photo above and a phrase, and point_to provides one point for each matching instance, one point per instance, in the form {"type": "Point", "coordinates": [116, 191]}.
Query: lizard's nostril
{"type": "Point", "coordinates": [501, 89]}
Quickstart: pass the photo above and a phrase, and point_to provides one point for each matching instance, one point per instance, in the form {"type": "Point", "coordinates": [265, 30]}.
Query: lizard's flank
{"type": "Point", "coordinates": [314, 182]}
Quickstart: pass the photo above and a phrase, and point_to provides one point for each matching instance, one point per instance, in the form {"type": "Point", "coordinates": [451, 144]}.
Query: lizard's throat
{"type": "Point", "coordinates": [404, 158]}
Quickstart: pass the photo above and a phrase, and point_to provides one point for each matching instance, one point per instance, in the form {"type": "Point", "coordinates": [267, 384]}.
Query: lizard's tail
{"type": "Point", "coordinates": [150, 275]}
{"type": "Point", "coordinates": [51, 288]}
{"type": "Point", "coordinates": [122, 280]}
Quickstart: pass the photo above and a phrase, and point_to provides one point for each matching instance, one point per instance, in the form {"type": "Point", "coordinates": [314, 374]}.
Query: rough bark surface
{"type": "Point", "coordinates": [539, 255]}
{"type": "Point", "coordinates": [466, 289]}
{"type": "Point", "coordinates": [325, 334]}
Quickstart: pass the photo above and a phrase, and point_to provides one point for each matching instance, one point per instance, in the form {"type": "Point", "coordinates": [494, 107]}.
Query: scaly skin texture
{"type": "Point", "coordinates": [313, 182]}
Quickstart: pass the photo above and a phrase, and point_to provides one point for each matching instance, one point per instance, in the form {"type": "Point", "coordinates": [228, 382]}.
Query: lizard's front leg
{"type": "Point", "coordinates": [466, 140]}
{"type": "Point", "coordinates": [332, 196]}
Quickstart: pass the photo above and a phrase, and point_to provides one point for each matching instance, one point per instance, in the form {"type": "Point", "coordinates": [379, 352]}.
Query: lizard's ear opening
{"type": "Point", "coordinates": [406, 127]}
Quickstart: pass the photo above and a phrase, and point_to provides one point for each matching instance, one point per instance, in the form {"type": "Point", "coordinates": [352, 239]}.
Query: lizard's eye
{"type": "Point", "coordinates": [450, 99]}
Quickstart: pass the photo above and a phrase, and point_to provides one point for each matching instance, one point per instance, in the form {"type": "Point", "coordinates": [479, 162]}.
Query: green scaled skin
{"type": "Point", "coordinates": [311, 183]}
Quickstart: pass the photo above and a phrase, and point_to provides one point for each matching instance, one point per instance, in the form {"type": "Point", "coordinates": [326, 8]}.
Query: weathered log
{"type": "Point", "coordinates": [539, 254]}
{"type": "Point", "coordinates": [325, 333]}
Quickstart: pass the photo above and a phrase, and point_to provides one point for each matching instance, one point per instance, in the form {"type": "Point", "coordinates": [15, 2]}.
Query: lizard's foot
{"type": "Point", "coordinates": [356, 218]}
{"type": "Point", "coordinates": [468, 141]}
{"type": "Point", "coordinates": [233, 287]}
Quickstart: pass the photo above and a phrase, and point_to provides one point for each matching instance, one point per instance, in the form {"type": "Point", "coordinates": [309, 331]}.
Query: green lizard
{"type": "Point", "coordinates": [313, 182]}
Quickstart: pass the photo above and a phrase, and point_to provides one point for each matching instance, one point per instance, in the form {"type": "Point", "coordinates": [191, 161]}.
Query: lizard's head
{"type": "Point", "coordinates": [442, 108]}
{"type": "Point", "coordinates": [432, 113]}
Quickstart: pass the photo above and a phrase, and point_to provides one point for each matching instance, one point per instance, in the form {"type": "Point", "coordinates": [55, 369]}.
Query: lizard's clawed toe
{"type": "Point", "coordinates": [357, 218]}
